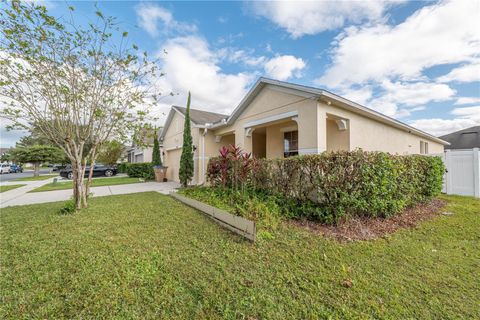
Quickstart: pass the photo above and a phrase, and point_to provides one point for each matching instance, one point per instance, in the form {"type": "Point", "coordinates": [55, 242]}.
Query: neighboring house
{"type": "Point", "coordinates": [280, 119]}
{"type": "Point", "coordinates": [464, 139]}
{"type": "Point", "coordinates": [139, 153]}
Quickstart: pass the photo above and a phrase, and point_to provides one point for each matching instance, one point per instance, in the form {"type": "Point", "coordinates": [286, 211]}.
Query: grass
{"type": "Point", "coordinates": [148, 256]}
{"type": "Point", "coordinates": [97, 182]}
{"type": "Point", "coordinates": [10, 187]}
{"type": "Point", "coordinates": [38, 178]}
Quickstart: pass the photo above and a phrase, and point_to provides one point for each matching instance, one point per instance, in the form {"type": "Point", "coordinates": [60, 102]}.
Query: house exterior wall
{"type": "Point", "coordinates": [372, 135]}
{"type": "Point", "coordinates": [337, 140]}
{"type": "Point", "coordinates": [271, 102]}
{"type": "Point", "coordinates": [315, 133]}
{"type": "Point", "coordinates": [259, 145]}
{"type": "Point", "coordinates": [147, 154]}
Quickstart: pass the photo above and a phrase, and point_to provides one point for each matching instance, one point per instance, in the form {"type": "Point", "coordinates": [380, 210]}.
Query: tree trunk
{"type": "Point", "coordinates": [79, 188]}
{"type": "Point", "coordinates": [36, 169]}
{"type": "Point", "coordinates": [92, 165]}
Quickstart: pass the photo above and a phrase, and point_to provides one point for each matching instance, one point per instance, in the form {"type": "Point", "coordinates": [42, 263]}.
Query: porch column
{"type": "Point", "coordinates": [242, 140]}
{"type": "Point", "coordinates": [312, 129]}
{"type": "Point", "coordinates": [321, 129]}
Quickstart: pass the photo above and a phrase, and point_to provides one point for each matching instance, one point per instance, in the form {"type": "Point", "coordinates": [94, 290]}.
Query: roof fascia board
{"type": "Point", "coordinates": [292, 91]}
{"type": "Point", "coordinates": [273, 118]}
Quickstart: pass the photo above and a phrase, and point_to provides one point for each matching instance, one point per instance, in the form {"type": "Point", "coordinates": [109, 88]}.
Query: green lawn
{"type": "Point", "coordinates": [148, 256]}
{"type": "Point", "coordinates": [10, 187]}
{"type": "Point", "coordinates": [38, 178]}
{"type": "Point", "coordinates": [97, 182]}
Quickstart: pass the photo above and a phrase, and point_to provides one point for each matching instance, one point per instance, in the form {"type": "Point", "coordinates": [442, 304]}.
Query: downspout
{"type": "Point", "coordinates": [205, 130]}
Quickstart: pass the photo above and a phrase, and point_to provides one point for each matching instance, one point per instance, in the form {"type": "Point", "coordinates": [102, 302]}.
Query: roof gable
{"type": "Point", "coordinates": [320, 95]}
{"type": "Point", "coordinates": [197, 117]}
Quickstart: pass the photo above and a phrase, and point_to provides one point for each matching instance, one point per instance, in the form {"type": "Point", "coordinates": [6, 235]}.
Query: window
{"type": "Point", "coordinates": [290, 144]}
{"type": "Point", "coordinates": [423, 147]}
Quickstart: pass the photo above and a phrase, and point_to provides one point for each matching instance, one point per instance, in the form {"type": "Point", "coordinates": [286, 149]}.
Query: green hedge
{"type": "Point", "coordinates": [335, 185]}
{"type": "Point", "coordinates": [122, 167]}
{"type": "Point", "coordinates": [138, 170]}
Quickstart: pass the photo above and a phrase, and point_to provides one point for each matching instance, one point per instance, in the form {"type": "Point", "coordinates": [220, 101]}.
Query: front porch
{"type": "Point", "coordinates": [285, 137]}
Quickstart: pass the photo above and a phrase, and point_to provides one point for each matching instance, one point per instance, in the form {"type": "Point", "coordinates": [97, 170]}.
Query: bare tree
{"type": "Point", "coordinates": [77, 84]}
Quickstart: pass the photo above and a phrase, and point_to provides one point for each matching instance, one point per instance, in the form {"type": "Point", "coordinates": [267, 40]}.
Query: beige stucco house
{"type": "Point", "coordinates": [280, 119]}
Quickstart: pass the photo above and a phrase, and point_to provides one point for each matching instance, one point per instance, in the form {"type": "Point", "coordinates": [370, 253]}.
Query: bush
{"type": "Point", "coordinates": [122, 167]}
{"type": "Point", "coordinates": [335, 185]}
{"type": "Point", "coordinates": [140, 170]}
{"type": "Point", "coordinates": [68, 207]}
{"type": "Point", "coordinates": [250, 204]}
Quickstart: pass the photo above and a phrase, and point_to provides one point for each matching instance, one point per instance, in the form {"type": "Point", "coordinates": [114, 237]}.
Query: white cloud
{"type": "Point", "coordinates": [245, 56]}
{"type": "Point", "coordinates": [416, 93]}
{"type": "Point", "coordinates": [191, 65]}
{"type": "Point", "coordinates": [399, 99]}
{"type": "Point", "coordinates": [359, 95]}
{"type": "Point", "coordinates": [284, 67]}
{"type": "Point", "coordinates": [465, 73]}
{"type": "Point", "coordinates": [467, 100]}
{"type": "Point", "coordinates": [444, 33]}
{"type": "Point", "coordinates": [465, 118]}
{"type": "Point", "coordinates": [390, 60]}
{"type": "Point", "coordinates": [470, 112]}
{"type": "Point", "coordinates": [149, 15]}
{"type": "Point", "coordinates": [311, 17]}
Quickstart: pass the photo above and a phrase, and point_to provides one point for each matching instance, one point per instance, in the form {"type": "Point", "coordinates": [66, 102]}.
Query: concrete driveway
{"type": "Point", "coordinates": [20, 196]}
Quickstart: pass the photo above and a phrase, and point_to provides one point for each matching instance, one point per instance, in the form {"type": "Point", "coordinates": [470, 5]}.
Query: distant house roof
{"type": "Point", "coordinates": [464, 139]}
{"type": "Point", "coordinates": [198, 117]}
{"type": "Point", "coordinates": [202, 117]}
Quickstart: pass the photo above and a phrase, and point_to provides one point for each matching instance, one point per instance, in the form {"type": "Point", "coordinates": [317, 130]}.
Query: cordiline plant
{"type": "Point", "coordinates": [232, 168]}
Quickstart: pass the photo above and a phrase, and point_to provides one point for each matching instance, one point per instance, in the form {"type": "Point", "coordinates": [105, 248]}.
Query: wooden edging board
{"type": "Point", "coordinates": [239, 225]}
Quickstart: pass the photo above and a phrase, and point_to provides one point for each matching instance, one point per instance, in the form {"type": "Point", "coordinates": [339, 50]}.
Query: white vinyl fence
{"type": "Point", "coordinates": [462, 175]}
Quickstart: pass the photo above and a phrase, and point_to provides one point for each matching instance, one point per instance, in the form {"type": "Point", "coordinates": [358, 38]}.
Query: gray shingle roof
{"type": "Point", "coordinates": [202, 117]}
{"type": "Point", "coordinates": [463, 139]}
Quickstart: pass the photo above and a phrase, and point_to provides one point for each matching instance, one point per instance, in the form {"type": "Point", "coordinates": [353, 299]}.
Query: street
{"type": "Point", "coordinates": [28, 173]}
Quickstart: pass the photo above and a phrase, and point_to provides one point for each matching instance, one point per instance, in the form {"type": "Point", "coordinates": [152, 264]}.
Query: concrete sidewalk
{"type": "Point", "coordinates": [21, 197]}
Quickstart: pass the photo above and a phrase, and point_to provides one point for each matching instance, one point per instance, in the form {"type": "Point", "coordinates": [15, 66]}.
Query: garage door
{"type": "Point", "coordinates": [173, 162]}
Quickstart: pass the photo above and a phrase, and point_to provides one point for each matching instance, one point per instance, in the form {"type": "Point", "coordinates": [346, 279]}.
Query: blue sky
{"type": "Point", "coordinates": [416, 61]}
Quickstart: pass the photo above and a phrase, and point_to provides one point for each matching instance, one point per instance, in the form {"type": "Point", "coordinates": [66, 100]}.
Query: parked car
{"type": "Point", "coordinates": [4, 168]}
{"type": "Point", "coordinates": [58, 167]}
{"type": "Point", "coordinates": [98, 171]}
{"type": "Point", "coordinates": [15, 168]}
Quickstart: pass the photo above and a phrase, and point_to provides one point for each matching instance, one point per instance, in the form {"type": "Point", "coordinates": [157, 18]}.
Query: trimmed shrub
{"type": "Point", "coordinates": [122, 167]}
{"type": "Point", "coordinates": [140, 170]}
{"type": "Point", "coordinates": [335, 185]}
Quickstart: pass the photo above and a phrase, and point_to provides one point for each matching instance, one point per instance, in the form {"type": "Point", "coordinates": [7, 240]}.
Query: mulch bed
{"type": "Point", "coordinates": [371, 228]}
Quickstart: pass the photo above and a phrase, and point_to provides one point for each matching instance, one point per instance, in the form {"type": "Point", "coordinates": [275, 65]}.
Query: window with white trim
{"type": "Point", "coordinates": [423, 147]}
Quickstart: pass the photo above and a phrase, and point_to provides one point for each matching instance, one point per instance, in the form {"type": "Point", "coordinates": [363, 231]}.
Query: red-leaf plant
{"type": "Point", "coordinates": [234, 166]}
